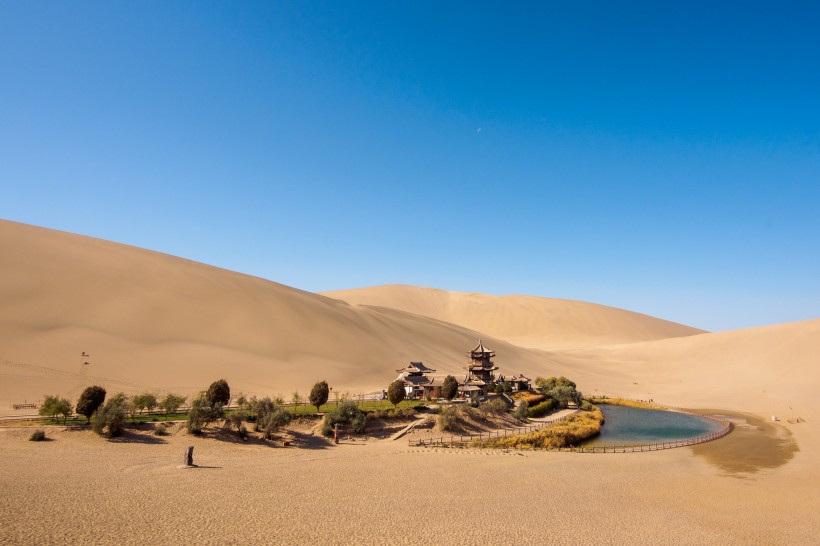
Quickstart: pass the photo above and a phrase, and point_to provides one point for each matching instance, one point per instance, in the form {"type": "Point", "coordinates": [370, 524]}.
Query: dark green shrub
{"type": "Point", "coordinates": [203, 414]}
{"type": "Point", "coordinates": [586, 405]}
{"type": "Point", "coordinates": [161, 430]}
{"type": "Point", "coordinates": [448, 419]}
{"type": "Point", "coordinates": [91, 399]}
{"type": "Point", "coordinates": [218, 393]}
{"type": "Point", "coordinates": [38, 436]}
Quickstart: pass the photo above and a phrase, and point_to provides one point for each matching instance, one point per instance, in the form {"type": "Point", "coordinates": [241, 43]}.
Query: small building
{"type": "Point", "coordinates": [520, 383]}
{"type": "Point", "coordinates": [415, 379]}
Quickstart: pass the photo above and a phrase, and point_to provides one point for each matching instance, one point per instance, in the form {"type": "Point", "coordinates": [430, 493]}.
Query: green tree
{"type": "Point", "coordinates": [108, 419]}
{"type": "Point", "coordinates": [296, 399]}
{"type": "Point", "coordinates": [171, 403]}
{"type": "Point", "coordinates": [449, 388]}
{"type": "Point", "coordinates": [53, 406]}
{"type": "Point", "coordinates": [396, 392]}
{"type": "Point", "coordinates": [90, 399]}
{"type": "Point", "coordinates": [521, 411]}
{"type": "Point", "coordinates": [144, 401]}
{"type": "Point", "coordinates": [319, 394]}
{"type": "Point", "coordinates": [203, 414]}
{"type": "Point", "coordinates": [218, 393]}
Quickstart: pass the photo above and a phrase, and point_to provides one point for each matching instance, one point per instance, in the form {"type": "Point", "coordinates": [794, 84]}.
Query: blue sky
{"type": "Point", "coordinates": [659, 158]}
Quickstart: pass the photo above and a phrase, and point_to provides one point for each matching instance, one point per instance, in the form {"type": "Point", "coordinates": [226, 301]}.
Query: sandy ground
{"type": "Point", "coordinates": [79, 488]}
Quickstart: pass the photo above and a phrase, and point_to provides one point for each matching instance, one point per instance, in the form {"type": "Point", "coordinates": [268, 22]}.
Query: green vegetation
{"type": "Point", "coordinates": [405, 413]}
{"type": "Point", "coordinates": [521, 411]}
{"type": "Point", "coordinates": [493, 406]}
{"type": "Point", "coordinates": [568, 432]}
{"type": "Point", "coordinates": [218, 393]}
{"type": "Point", "coordinates": [91, 399]}
{"type": "Point", "coordinates": [318, 395]}
{"type": "Point", "coordinates": [202, 413]}
{"type": "Point", "coordinates": [560, 389]}
{"type": "Point", "coordinates": [448, 419]}
{"type": "Point", "coordinates": [345, 413]}
{"type": "Point", "coordinates": [37, 436]}
{"type": "Point", "coordinates": [161, 430]}
{"type": "Point", "coordinates": [542, 409]}
{"type": "Point", "coordinates": [396, 392]}
{"type": "Point", "coordinates": [270, 415]}
{"type": "Point", "coordinates": [144, 401]}
{"type": "Point", "coordinates": [171, 403]}
{"type": "Point", "coordinates": [108, 420]}
{"type": "Point", "coordinates": [449, 388]}
{"type": "Point", "coordinates": [53, 406]}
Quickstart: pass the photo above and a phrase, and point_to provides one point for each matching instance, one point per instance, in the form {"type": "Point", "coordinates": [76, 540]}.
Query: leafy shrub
{"type": "Point", "coordinates": [203, 414]}
{"type": "Point", "coordinates": [521, 411]}
{"type": "Point", "coordinates": [161, 430]}
{"type": "Point", "coordinates": [586, 405]}
{"type": "Point", "coordinates": [542, 409]}
{"type": "Point", "coordinates": [346, 413]}
{"type": "Point", "coordinates": [449, 388]}
{"type": "Point", "coordinates": [38, 436]}
{"type": "Point", "coordinates": [108, 420]}
{"type": "Point", "coordinates": [448, 418]}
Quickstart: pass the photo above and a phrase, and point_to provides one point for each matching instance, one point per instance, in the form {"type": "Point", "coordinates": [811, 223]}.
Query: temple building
{"type": "Point", "coordinates": [481, 374]}
{"type": "Point", "coordinates": [481, 368]}
{"type": "Point", "coordinates": [415, 379]}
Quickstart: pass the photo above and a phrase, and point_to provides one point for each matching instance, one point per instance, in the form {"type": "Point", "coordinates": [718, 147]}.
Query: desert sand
{"type": "Point", "coordinates": [152, 321]}
{"type": "Point", "coordinates": [526, 321]}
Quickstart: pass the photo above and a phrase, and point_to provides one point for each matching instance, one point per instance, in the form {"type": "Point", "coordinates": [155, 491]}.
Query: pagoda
{"type": "Point", "coordinates": [481, 368]}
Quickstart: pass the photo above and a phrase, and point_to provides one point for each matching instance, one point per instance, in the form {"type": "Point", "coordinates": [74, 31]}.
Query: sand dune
{"type": "Point", "coordinates": [527, 321]}
{"type": "Point", "coordinates": [771, 370]}
{"type": "Point", "coordinates": [154, 321]}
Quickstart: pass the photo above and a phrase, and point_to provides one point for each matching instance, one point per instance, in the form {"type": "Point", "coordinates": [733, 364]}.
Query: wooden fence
{"type": "Point", "coordinates": [467, 438]}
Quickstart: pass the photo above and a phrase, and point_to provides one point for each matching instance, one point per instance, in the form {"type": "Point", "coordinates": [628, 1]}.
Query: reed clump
{"type": "Point", "coordinates": [568, 432]}
{"type": "Point", "coordinates": [625, 402]}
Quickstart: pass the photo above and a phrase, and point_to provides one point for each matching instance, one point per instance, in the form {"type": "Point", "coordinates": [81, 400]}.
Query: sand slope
{"type": "Point", "coordinates": [154, 321]}
{"type": "Point", "coordinates": [771, 370]}
{"type": "Point", "coordinates": [527, 321]}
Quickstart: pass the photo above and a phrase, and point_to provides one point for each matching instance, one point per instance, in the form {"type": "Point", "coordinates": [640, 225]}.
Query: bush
{"type": "Point", "coordinates": [203, 414]}
{"type": "Point", "coordinates": [542, 409]}
{"type": "Point", "coordinates": [161, 430]}
{"type": "Point", "coordinates": [38, 436]}
{"type": "Point", "coordinates": [347, 413]}
{"type": "Point", "coordinates": [521, 411]}
{"type": "Point", "coordinates": [586, 405]}
{"type": "Point", "coordinates": [109, 419]}
{"type": "Point", "coordinates": [448, 419]}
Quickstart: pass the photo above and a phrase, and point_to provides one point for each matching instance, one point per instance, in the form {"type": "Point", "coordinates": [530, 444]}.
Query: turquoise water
{"type": "Point", "coordinates": [625, 426]}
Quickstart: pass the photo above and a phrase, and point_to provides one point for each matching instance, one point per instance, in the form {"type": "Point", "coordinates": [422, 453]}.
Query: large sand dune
{"type": "Point", "coordinates": [527, 321]}
{"type": "Point", "coordinates": [154, 321]}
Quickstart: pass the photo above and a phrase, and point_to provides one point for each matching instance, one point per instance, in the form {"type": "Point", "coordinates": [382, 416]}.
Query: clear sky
{"type": "Point", "coordinates": [660, 158]}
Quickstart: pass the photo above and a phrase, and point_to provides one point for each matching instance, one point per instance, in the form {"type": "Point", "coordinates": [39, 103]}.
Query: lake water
{"type": "Point", "coordinates": [625, 426]}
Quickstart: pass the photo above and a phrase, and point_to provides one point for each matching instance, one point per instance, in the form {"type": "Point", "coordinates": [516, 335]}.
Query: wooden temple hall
{"type": "Point", "coordinates": [481, 375]}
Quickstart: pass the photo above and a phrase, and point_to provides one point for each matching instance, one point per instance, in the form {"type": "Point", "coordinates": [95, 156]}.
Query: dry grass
{"type": "Point", "coordinates": [625, 402]}
{"type": "Point", "coordinates": [571, 431]}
